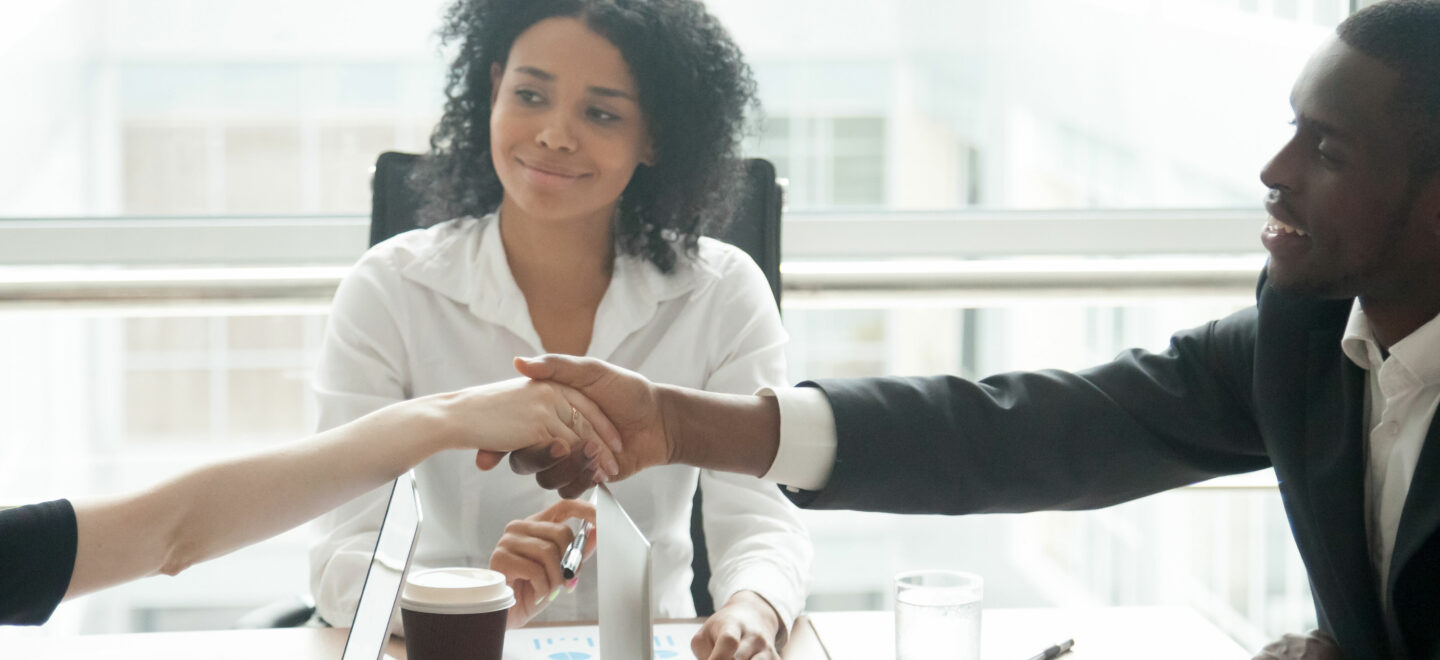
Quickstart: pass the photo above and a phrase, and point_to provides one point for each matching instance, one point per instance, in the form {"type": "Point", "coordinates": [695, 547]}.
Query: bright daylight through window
{"type": "Point", "coordinates": [997, 120]}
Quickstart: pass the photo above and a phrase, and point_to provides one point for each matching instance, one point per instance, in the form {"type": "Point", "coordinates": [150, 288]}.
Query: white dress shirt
{"type": "Point", "coordinates": [1401, 392]}
{"type": "Point", "coordinates": [438, 310]}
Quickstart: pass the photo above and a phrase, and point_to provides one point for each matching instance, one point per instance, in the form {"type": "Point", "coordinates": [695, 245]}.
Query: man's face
{"type": "Point", "coordinates": [1344, 217]}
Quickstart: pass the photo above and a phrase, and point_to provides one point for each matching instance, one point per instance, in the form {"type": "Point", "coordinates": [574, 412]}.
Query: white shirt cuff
{"type": "Point", "coordinates": [807, 438]}
{"type": "Point", "coordinates": [768, 581]}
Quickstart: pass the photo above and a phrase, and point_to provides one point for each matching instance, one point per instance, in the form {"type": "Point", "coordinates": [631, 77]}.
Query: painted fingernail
{"type": "Point", "coordinates": [555, 593]}
{"type": "Point", "coordinates": [570, 585]}
{"type": "Point", "coordinates": [612, 468]}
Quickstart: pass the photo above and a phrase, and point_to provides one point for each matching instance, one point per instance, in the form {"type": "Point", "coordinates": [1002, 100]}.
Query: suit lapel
{"type": "Point", "coordinates": [1335, 476]}
{"type": "Point", "coordinates": [1421, 515]}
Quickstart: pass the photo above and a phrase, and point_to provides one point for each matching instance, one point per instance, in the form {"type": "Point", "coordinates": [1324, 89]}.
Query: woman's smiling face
{"type": "Point", "coordinates": [566, 130]}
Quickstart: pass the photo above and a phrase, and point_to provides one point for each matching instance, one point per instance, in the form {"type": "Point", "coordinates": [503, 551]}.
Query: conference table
{"type": "Point", "coordinates": [1006, 634]}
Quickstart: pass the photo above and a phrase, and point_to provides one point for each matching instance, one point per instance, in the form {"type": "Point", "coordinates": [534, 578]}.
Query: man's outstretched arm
{"type": "Point", "coordinates": [658, 424]}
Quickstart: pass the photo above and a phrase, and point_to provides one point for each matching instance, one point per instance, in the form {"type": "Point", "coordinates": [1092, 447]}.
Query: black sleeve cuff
{"type": "Point", "coordinates": [37, 558]}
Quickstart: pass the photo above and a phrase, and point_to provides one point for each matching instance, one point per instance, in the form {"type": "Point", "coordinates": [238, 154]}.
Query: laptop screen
{"type": "Point", "coordinates": [626, 629]}
{"type": "Point", "coordinates": [388, 566]}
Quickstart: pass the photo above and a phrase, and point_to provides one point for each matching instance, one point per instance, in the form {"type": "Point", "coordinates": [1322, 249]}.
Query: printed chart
{"type": "Point", "coordinates": [672, 640]}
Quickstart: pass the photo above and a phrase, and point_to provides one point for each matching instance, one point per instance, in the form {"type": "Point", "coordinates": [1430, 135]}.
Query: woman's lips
{"type": "Point", "coordinates": [547, 174]}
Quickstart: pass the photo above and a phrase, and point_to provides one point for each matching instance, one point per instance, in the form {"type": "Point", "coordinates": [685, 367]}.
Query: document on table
{"type": "Point", "coordinates": [671, 640]}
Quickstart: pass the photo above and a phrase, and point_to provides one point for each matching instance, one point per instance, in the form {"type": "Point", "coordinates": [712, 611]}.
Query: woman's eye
{"type": "Point", "coordinates": [601, 115]}
{"type": "Point", "coordinates": [528, 96]}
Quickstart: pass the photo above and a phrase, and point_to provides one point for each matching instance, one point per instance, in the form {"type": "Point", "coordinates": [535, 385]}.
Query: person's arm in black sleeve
{"type": "Point", "coordinates": [54, 551]}
{"type": "Point", "coordinates": [37, 557]}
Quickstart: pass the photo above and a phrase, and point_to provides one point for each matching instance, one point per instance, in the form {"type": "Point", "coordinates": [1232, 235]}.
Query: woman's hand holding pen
{"type": "Point", "coordinates": [530, 554]}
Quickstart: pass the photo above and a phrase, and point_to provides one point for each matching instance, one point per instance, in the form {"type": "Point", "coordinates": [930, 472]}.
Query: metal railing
{"type": "Point", "coordinates": [879, 258]}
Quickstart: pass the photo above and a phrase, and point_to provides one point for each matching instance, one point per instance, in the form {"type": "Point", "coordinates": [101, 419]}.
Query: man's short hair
{"type": "Point", "coordinates": [1405, 35]}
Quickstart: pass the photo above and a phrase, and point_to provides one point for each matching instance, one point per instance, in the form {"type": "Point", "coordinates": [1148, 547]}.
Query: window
{"type": "Point", "coordinates": [915, 116]}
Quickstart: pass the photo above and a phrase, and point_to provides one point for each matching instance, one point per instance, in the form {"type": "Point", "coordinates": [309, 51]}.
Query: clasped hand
{"type": "Point", "coordinates": [629, 402]}
{"type": "Point", "coordinates": [546, 421]}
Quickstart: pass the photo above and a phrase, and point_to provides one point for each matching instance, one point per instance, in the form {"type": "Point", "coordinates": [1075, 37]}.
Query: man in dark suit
{"type": "Point", "coordinates": [1332, 378]}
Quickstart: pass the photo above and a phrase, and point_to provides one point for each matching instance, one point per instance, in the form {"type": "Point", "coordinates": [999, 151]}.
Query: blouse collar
{"type": "Point", "coordinates": [466, 262]}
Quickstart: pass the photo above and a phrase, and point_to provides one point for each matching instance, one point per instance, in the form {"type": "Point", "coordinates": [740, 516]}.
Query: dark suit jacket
{"type": "Point", "coordinates": [1266, 386]}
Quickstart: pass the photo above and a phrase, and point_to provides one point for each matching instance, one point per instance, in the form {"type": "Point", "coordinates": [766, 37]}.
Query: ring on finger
{"type": "Point", "coordinates": [574, 419]}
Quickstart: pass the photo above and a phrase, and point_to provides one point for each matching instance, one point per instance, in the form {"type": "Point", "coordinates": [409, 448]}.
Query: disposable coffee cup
{"type": "Point", "coordinates": [455, 614]}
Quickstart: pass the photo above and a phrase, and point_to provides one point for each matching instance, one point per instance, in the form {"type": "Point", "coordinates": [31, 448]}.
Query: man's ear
{"type": "Point", "coordinates": [497, 71]}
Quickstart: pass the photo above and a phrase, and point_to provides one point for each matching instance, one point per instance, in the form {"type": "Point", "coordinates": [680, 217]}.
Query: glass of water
{"type": "Point", "coordinates": [937, 615]}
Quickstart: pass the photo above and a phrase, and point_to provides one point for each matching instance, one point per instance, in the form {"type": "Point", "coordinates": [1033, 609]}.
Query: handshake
{"type": "Point", "coordinates": [627, 423]}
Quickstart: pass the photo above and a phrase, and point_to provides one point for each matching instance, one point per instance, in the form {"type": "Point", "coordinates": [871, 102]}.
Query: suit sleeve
{"type": "Point", "coordinates": [362, 368]}
{"type": "Point", "coordinates": [754, 536]}
{"type": "Point", "coordinates": [1140, 424]}
{"type": "Point", "coordinates": [37, 558]}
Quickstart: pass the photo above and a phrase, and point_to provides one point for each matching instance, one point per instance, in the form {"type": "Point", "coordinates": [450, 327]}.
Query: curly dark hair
{"type": "Point", "coordinates": [1405, 35]}
{"type": "Point", "coordinates": [694, 91]}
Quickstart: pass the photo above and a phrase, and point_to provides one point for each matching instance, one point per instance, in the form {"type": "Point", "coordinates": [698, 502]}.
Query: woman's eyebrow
{"type": "Point", "coordinates": [536, 72]}
{"type": "Point", "coordinates": [610, 92]}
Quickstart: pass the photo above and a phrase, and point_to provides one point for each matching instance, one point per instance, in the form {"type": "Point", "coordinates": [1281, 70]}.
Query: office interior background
{"type": "Point", "coordinates": [973, 186]}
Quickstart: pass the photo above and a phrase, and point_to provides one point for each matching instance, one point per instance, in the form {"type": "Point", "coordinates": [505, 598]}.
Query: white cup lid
{"type": "Point", "coordinates": [457, 590]}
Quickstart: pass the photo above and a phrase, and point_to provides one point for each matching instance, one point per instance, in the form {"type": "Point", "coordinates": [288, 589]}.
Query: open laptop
{"type": "Point", "coordinates": [389, 565]}
{"type": "Point", "coordinates": [626, 629]}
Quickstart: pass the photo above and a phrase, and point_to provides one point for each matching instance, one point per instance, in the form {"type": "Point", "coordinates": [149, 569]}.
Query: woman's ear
{"type": "Point", "coordinates": [647, 152]}
{"type": "Point", "coordinates": [497, 71]}
{"type": "Point", "coordinates": [1427, 203]}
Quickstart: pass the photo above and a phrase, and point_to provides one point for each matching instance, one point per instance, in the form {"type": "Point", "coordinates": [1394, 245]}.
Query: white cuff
{"type": "Point", "coordinates": [770, 582]}
{"type": "Point", "coordinates": [807, 438]}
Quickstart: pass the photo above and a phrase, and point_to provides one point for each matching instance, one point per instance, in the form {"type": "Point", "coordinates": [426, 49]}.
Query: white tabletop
{"type": "Point", "coordinates": [1114, 633]}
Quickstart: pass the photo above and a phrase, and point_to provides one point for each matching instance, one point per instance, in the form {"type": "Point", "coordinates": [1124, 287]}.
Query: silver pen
{"type": "Point", "coordinates": [570, 561]}
{"type": "Point", "coordinates": [1055, 651]}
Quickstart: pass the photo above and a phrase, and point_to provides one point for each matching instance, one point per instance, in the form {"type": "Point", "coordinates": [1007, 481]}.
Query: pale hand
{"type": "Point", "coordinates": [628, 400]}
{"type": "Point", "coordinates": [529, 555]}
{"type": "Point", "coordinates": [746, 628]}
{"type": "Point", "coordinates": [548, 419]}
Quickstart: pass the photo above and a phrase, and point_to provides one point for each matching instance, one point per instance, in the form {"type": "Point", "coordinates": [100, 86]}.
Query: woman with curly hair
{"type": "Point", "coordinates": [585, 148]}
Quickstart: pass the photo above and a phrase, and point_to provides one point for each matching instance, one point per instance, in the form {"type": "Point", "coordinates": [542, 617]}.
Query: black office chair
{"type": "Point", "coordinates": [755, 228]}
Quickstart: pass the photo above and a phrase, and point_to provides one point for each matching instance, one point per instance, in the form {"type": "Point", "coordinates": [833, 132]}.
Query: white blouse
{"type": "Point", "coordinates": [437, 309]}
